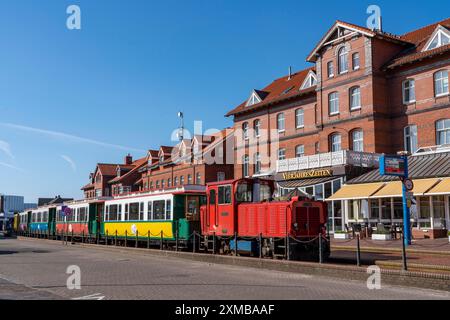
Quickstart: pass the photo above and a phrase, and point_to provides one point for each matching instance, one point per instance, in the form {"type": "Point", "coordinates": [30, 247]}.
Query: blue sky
{"type": "Point", "coordinates": [70, 99]}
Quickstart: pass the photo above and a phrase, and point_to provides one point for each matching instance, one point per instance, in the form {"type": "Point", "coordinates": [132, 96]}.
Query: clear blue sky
{"type": "Point", "coordinates": [117, 84]}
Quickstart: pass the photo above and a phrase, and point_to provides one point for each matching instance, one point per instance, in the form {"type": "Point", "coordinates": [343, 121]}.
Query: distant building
{"type": "Point", "coordinates": [48, 201]}
{"type": "Point", "coordinates": [10, 204]}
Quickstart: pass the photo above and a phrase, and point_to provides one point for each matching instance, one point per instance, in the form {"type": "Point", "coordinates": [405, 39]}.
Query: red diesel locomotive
{"type": "Point", "coordinates": [242, 215]}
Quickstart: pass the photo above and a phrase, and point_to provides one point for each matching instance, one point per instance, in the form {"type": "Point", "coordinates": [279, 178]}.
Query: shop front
{"type": "Point", "coordinates": [372, 199]}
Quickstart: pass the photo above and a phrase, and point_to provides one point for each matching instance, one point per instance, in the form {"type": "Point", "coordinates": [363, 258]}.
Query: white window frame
{"type": "Point", "coordinates": [438, 33]}
{"type": "Point", "coordinates": [333, 143]}
{"type": "Point", "coordinates": [257, 128]}
{"type": "Point", "coordinates": [281, 154]}
{"type": "Point", "coordinates": [281, 119]}
{"type": "Point", "coordinates": [343, 54]}
{"type": "Point", "coordinates": [310, 81]}
{"type": "Point", "coordinates": [411, 88]}
{"type": "Point", "coordinates": [444, 129]}
{"type": "Point", "coordinates": [333, 101]}
{"type": "Point", "coordinates": [246, 166]}
{"type": "Point", "coordinates": [258, 164]}
{"type": "Point", "coordinates": [245, 131]}
{"type": "Point", "coordinates": [300, 154]}
{"type": "Point", "coordinates": [410, 135]}
{"type": "Point", "coordinates": [353, 95]}
{"type": "Point", "coordinates": [359, 140]}
{"type": "Point", "coordinates": [441, 80]}
{"type": "Point", "coordinates": [300, 113]}
{"type": "Point", "coordinates": [358, 66]}
{"type": "Point", "coordinates": [254, 99]}
{"type": "Point", "coordinates": [330, 69]}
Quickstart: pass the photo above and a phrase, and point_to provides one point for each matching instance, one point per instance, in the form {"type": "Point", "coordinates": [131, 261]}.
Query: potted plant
{"type": "Point", "coordinates": [381, 235]}
{"type": "Point", "coordinates": [341, 235]}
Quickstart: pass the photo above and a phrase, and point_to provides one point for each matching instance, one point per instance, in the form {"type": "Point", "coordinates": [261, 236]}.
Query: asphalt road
{"type": "Point", "coordinates": [37, 270]}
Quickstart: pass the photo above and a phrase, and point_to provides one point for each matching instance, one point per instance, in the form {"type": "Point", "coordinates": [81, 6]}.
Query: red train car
{"type": "Point", "coordinates": [244, 210]}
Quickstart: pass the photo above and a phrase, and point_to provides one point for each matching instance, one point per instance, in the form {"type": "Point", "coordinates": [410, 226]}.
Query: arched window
{"type": "Point", "coordinates": [198, 178]}
{"type": "Point", "coordinates": [410, 137]}
{"type": "Point", "coordinates": [357, 140]}
{"type": "Point", "coordinates": [443, 131]}
{"type": "Point", "coordinates": [299, 118]}
{"type": "Point", "coordinates": [280, 122]}
{"type": "Point", "coordinates": [282, 154]}
{"type": "Point", "coordinates": [245, 130]}
{"type": "Point", "coordinates": [257, 128]}
{"type": "Point", "coordinates": [441, 83]}
{"type": "Point", "coordinates": [245, 166]}
{"type": "Point", "coordinates": [343, 60]}
{"type": "Point", "coordinates": [355, 98]}
{"type": "Point", "coordinates": [335, 142]}
{"type": "Point", "coordinates": [257, 163]}
{"type": "Point", "coordinates": [333, 103]}
{"type": "Point", "coordinates": [356, 61]}
{"type": "Point", "coordinates": [175, 181]}
{"type": "Point", "coordinates": [182, 180]}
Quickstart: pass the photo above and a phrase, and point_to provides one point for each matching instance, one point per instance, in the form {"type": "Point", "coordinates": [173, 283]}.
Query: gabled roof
{"type": "Point", "coordinates": [355, 28]}
{"type": "Point", "coordinates": [166, 150]}
{"type": "Point", "coordinates": [138, 164]}
{"type": "Point", "coordinates": [419, 39]}
{"type": "Point", "coordinates": [279, 90]}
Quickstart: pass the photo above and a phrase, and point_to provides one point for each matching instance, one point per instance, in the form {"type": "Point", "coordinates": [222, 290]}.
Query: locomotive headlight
{"type": "Point", "coordinates": [295, 225]}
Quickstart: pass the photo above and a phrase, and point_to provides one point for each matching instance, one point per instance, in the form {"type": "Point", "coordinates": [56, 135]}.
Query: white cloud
{"type": "Point", "coordinates": [6, 148]}
{"type": "Point", "coordinates": [70, 161]}
{"type": "Point", "coordinates": [10, 166]}
{"type": "Point", "coordinates": [65, 136]}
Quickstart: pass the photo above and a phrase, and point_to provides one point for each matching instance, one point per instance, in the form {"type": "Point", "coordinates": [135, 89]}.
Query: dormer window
{"type": "Point", "coordinates": [254, 99]}
{"type": "Point", "coordinates": [161, 158]}
{"type": "Point", "coordinates": [118, 172]}
{"type": "Point", "coordinates": [310, 81]}
{"type": "Point", "coordinates": [440, 37]}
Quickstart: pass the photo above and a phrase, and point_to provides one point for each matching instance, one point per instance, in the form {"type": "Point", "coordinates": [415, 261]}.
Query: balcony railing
{"type": "Point", "coordinates": [331, 159]}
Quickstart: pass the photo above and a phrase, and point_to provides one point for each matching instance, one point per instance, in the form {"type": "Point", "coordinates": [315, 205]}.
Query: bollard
{"type": "Point", "coordinates": [320, 249]}
{"type": "Point", "coordinates": [115, 239]}
{"type": "Point", "coordinates": [235, 244]}
{"type": "Point", "coordinates": [106, 240]}
{"type": "Point", "coordinates": [193, 241]}
{"type": "Point", "coordinates": [98, 238]}
{"type": "Point", "coordinates": [126, 238]}
{"type": "Point", "coordinates": [358, 251]}
{"type": "Point", "coordinates": [148, 240]}
{"type": "Point", "coordinates": [176, 240]}
{"type": "Point", "coordinates": [82, 237]}
{"type": "Point", "coordinates": [137, 237]}
{"type": "Point", "coordinates": [71, 239]}
{"type": "Point", "coordinates": [260, 245]}
{"type": "Point", "coordinates": [214, 243]}
{"type": "Point", "coordinates": [161, 241]}
{"type": "Point", "coordinates": [404, 261]}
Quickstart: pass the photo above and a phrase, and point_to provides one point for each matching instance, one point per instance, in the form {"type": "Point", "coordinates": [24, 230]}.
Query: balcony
{"type": "Point", "coordinates": [331, 159]}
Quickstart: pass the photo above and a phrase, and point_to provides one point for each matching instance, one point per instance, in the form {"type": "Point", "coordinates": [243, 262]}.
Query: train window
{"type": "Point", "coordinates": [159, 210]}
{"type": "Point", "coordinates": [113, 212]}
{"type": "Point", "coordinates": [126, 218]}
{"type": "Point", "coordinates": [106, 218]}
{"type": "Point", "coordinates": [193, 208]}
{"type": "Point", "coordinates": [83, 215]}
{"type": "Point", "coordinates": [134, 212]}
{"type": "Point", "coordinates": [149, 211]}
{"type": "Point", "coordinates": [212, 197]}
{"type": "Point", "coordinates": [265, 192]}
{"type": "Point", "coordinates": [119, 212]}
{"type": "Point", "coordinates": [225, 195]}
{"type": "Point", "coordinates": [168, 209]}
{"type": "Point", "coordinates": [141, 211]}
{"type": "Point", "coordinates": [244, 193]}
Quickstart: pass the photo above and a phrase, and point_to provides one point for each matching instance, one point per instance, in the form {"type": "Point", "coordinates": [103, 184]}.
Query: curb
{"type": "Point", "coordinates": [415, 279]}
{"type": "Point", "coordinates": [391, 250]}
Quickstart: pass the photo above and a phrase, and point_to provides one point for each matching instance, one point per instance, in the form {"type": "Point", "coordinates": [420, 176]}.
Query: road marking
{"type": "Point", "coordinates": [95, 296]}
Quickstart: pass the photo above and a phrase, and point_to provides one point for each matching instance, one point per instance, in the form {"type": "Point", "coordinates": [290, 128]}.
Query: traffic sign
{"type": "Point", "coordinates": [394, 166]}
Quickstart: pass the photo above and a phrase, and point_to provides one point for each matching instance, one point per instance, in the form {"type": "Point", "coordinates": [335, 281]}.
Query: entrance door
{"type": "Point", "coordinates": [211, 219]}
{"type": "Point", "coordinates": [92, 224]}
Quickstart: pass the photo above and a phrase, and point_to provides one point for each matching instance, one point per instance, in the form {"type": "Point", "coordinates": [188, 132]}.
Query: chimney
{"type": "Point", "coordinates": [290, 73]}
{"type": "Point", "coordinates": [128, 159]}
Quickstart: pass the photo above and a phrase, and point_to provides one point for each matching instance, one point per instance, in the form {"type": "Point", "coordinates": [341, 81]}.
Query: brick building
{"type": "Point", "coordinates": [368, 92]}
{"type": "Point", "coordinates": [110, 179]}
{"type": "Point", "coordinates": [196, 161]}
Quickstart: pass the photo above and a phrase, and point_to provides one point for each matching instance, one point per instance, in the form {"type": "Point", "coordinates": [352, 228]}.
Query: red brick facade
{"type": "Point", "coordinates": [377, 66]}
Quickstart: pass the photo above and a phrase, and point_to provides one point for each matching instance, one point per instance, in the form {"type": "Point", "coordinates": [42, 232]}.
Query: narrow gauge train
{"type": "Point", "coordinates": [221, 213]}
{"type": "Point", "coordinates": [168, 215]}
{"type": "Point", "coordinates": [244, 209]}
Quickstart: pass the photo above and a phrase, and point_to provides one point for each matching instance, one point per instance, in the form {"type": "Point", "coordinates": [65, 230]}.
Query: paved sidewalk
{"type": "Point", "coordinates": [441, 246]}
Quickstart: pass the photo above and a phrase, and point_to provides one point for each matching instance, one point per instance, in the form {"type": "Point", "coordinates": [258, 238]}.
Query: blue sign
{"type": "Point", "coordinates": [394, 166]}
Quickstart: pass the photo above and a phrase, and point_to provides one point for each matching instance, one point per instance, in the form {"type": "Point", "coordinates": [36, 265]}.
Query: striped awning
{"type": "Point", "coordinates": [356, 191]}
{"type": "Point", "coordinates": [291, 184]}
{"type": "Point", "coordinates": [440, 189]}
{"type": "Point", "coordinates": [394, 189]}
